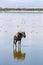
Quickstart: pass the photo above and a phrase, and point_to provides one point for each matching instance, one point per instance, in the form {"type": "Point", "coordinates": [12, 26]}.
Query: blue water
{"type": "Point", "coordinates": [32, 45]}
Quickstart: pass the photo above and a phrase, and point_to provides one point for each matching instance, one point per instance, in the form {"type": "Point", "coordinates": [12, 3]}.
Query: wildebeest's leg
{"type": "Point", "coordinates": [19, 45]}
{"type": "Point", "coordinates": [15, 41]}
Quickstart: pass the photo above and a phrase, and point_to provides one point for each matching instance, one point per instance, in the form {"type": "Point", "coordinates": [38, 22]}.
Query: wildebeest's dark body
{"type": "Point", "coordinates": [18, 37]}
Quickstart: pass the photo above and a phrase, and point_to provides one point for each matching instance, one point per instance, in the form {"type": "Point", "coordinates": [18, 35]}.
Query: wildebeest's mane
{"type": "Point", "coordinates": [19, 35]}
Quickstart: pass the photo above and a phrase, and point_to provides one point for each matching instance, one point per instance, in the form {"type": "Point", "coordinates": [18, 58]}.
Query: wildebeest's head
{"type": "Point", "coordinates": [23, 34]}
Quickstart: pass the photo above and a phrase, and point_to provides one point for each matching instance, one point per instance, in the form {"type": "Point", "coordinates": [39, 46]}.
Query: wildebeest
{"type": "Point", "coordinates": [18, 36]}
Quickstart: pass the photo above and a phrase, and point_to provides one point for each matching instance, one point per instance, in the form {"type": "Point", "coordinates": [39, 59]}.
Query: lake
{"type": "Point", "coordinates": [31, 52]}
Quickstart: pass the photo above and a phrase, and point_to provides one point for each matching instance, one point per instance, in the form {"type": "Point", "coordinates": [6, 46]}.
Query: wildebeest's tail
{"type": "Point", "coordinates": [15, 42]}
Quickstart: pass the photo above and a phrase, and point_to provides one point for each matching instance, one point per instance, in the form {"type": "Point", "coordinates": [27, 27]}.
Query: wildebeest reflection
{"type": "Point", "coordinates": [18, 36]}
{"type": "Point", "coordinates": [17, 54]}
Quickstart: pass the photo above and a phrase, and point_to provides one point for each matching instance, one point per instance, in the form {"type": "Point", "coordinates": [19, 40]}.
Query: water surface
{"type": "Point", "coordinates": [31, 47]}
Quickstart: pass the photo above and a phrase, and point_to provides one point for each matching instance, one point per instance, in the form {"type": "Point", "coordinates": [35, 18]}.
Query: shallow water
{"type": "Point", "coordinates": [31, 52]}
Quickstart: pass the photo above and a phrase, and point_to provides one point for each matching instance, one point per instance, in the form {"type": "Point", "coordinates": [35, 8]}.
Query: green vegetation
{"type": "Point", "coordinates": [21, 9]}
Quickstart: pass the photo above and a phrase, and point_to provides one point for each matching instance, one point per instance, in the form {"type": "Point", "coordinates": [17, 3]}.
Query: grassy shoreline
{"type": "Point", "coordinates": [20, 9]}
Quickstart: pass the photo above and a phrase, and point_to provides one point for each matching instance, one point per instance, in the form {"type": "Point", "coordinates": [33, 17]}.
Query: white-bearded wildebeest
{"type": "Point", "coordinates": [17, 37]}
